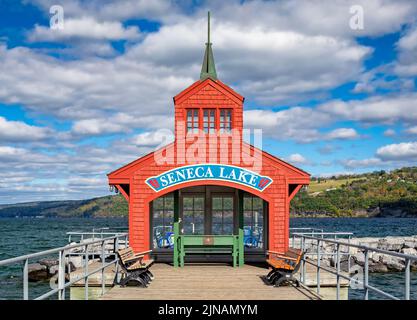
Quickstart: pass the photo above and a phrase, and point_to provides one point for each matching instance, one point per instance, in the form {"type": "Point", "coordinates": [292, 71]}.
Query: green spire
{"type": "Point", "coordinates": [208, 70]}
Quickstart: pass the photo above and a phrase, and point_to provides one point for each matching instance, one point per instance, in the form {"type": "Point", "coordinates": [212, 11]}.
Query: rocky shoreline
{"type": "Point", "coordinates": [47, 268]}
{"type": "Point", "coordinates": [378, 263]}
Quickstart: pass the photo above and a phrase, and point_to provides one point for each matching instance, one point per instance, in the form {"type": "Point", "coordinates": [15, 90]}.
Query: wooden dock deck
{"type": "Point", "coordinates": [208, 281]}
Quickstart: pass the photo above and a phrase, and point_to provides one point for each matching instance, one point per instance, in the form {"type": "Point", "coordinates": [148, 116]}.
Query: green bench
{"type": "Point", "coordinates": [207, 244]}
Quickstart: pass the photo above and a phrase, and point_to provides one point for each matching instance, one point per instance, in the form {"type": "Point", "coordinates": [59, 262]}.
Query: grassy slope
{"type": "Point", "coordinates": [326, 184]}
{"type": "Point", "coordinates": [364, 194]}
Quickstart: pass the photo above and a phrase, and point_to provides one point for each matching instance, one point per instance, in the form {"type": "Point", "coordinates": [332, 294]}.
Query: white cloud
{"type": "Point", "coordinates": [297, 159]}
{"type": "Point", "coordinates": [342, 134]}
{"type": "Point", "coordinates": [92, 127]}
{"type": "Point", "coordinates": [407, 60]}
{"type": "Point", "coordinates": [114, 10]}
{"type": "Point", "coordinates": [15, 131]}
{"type": "Point", "coordinates": [326, 17]}
{"type": "Point", "coordinates": [392, 155]}
{"type": "Point", "coordinates": [389, 133]}
{"type": "Point", "coordinates": [364, 163]}
{"type": "Point", "coordinates": [7, 153]}
{"type": "Point", "coordinates": [267, 64]}
{"type": "Point", "coordinates": [401, 151]}
{"type": "Point", "coordinates": [288, 51]}
{"type": "Point", "coordinates": [119, 123]}
{"type": "Point", "coordinates": [377, 109]}
{"type": "Point", "coordinates": [381, 78]}
{"type": "Point", "coordinates": [85, 28]}
{"type": "Point", "coordinates": [87, 89]}
{"type": "Point", "coordinates": [153, 139]}
{"type": "Point", "coordinates": [411, 130]}
{"type": "Point", "coordinates": [300, 124]}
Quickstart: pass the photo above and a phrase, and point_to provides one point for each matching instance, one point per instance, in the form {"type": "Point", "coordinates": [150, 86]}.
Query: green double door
{"type": "Point", "coordinates": [208, 213]}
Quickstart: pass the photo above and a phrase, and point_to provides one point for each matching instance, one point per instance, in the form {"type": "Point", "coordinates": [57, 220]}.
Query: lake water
{"type": "Point", "coordinates": [23, 236]}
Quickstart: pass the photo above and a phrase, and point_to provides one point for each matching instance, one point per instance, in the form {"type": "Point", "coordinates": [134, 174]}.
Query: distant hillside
{"type": "Point", "coordinates": [110, 206]}
{"type": "Point", "coordinates": [378, 193]}
{"type": "Point", "coordinates": [371, 194]}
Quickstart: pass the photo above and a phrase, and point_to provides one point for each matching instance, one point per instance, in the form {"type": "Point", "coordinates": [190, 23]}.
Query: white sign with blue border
{"type": "Point", "coordinates": [209, 172]}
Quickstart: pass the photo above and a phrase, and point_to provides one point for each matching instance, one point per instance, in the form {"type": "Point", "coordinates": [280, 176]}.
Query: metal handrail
{"type": "Point", "coordinates": [93, 233]}
{"type": "Point", "coordinates": [306, 228]}
{"type": "Point", "coordinates": [367, 287]}
{"type": "Point", "coordinates": [63, 254]}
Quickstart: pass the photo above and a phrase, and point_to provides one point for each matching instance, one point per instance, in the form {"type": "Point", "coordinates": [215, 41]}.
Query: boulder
{"type": "Point", "coordinates": [375, 257]}
{"type": "Point", "coordinates": [344, 262]}
{"type": "Point", "coordinates": [77, 262]}
{"type": "Point", "coordinates": [367, 241]}
{"type": "Point", "coordinates": [48, 262]}
{"type": "Point", "coordinates": [325, 262]}
{"type": "Point", "coordinates": [410, 251]}
{"type": "Point", "coordinates": [70, 266]}
{"type": "Point", "coordinates": [392, 263]}
{"type": "Point", "coordinates": [37, 272]}
{"type": "Point", "coordinates": [378, 267]}
{"type": "Point", "coordinates": [410, 242]}
{"type": "Point", "coordinates": [53, 270]}
{"type": "Point", "coordinates": [359, 258]}
{"type": "Point", "coordinates": [391, 243]}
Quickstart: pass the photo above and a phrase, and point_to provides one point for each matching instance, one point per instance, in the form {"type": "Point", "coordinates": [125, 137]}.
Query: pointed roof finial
{"type": "Point", "coordinates": [208, 70]}
{"type": "Point", "coordinates": [208, 27]}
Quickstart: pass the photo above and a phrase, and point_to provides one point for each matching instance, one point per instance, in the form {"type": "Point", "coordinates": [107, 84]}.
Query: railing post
{"type": "Point", "coordinates": [86, 273]}
{"type": "Point", "coordinates": [116, 248]}
{"type": "Point", "coordinates": [407, 280]}
{"type": "Point", "coordinates": [66, 264]}
{"type": "Point", "coordinates": [348, 248]}
{"type": "Point", "coordinates": [61, 275]}
{"type": "Point", "coordinates": [25, 280]}
{"type": "Point", "coordinates": [338, 272]}
{"type": "Point", "coordinates": [318, 266]}
{"type": "Point", "coordinates": [103, 283]}
{"type": "Point", "coordinates": [303, 267]}
{"type": "Point", "coordinates": [366, 274]}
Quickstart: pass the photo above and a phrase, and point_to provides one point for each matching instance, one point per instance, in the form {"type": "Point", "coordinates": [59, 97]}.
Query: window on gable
{"type": "Point", "coordinates": [192, 120]}
{"type": "Point", "coordinates": [225, 120]}
{"type": "Point", "coordinates": [209, 120]}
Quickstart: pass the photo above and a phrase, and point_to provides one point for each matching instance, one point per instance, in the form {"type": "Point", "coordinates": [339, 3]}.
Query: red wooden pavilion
{"type": "Point", "coordinates": [209, 180]}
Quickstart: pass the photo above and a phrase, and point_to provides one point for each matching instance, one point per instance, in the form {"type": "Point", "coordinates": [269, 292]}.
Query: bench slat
{"type": "Point", "coordinates": [287, 261]}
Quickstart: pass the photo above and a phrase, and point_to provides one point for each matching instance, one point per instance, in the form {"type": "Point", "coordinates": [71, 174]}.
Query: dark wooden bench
{"type": "Point", "coordinates": [284, 266]}
{"type": "Point", "coordinates": [134, 267]}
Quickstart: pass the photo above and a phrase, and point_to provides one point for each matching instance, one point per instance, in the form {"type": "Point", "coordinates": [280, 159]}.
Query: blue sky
{"type": "Point", "coordinates": [79, 102]}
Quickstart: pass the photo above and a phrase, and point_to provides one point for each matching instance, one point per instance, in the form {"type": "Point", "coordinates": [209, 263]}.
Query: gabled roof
{"type": "Point", "coordinates": [281, 162]}
{"type": "Point", "coordinates": [138, 161]}
{"type": "Point", "coordinates": [200, 84]}
{"type": "Point", "coordinates": [300, 176]}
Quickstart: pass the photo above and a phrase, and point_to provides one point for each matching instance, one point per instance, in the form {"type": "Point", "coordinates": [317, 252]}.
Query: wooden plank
{"type": "Point", "coordinates": [208, 281]}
